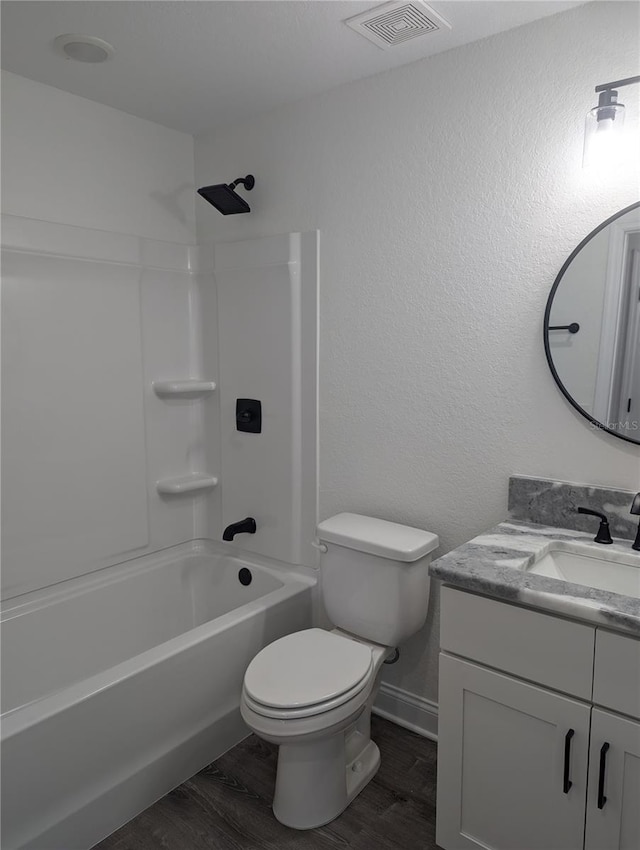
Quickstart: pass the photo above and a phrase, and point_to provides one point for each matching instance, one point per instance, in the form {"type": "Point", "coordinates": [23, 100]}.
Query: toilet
{"type": "Point", "coordinates": [311, 692]}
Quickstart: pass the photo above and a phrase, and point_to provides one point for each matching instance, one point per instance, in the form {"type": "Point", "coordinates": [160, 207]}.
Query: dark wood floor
{"type": "Point", "coordinates": [227, 806]}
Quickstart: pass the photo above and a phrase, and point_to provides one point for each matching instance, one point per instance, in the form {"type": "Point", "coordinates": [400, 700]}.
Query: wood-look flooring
{"type": "Point", "coordinates": [227, 806]}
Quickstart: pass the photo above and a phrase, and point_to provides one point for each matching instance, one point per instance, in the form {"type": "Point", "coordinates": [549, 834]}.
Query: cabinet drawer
{"type": "Point", "coordinates": [531, 645]}
{"type": "Point", "coordinates": [616, 677]}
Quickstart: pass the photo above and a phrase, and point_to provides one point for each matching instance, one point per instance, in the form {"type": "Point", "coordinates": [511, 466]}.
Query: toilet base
{"type": "Point", "coordinates": [315, 782]}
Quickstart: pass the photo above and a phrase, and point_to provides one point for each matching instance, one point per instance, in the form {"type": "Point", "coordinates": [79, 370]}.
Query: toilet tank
{"type": "Point", "coordinates": [375, 581]}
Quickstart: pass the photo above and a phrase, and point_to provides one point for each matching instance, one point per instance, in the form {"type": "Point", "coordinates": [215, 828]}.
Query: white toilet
{"type": "Point", "coordinates": [311, 692]}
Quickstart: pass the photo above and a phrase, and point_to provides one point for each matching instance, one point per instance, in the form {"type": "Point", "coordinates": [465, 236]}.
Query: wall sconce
{"type": "Point", "coordinates": [604, 123]}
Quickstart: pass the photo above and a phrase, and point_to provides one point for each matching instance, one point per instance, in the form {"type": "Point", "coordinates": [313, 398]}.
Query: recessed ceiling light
{"type": "Point", "coordinates": [83, 48]}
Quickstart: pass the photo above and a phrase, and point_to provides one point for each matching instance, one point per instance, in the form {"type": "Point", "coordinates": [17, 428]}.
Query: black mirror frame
{"type": "Point", "coordinates": [547, 315]}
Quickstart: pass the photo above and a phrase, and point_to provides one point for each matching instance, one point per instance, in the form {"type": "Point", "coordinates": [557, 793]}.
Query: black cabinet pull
{"type": "Point", "coordinates": [566, 782]}
{"type": "Point", "coordinates": [603, 766]}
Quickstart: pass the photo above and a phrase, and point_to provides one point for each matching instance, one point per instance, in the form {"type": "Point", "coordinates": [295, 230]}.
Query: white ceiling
{"type": "Point", "coordinates": [198, 65]}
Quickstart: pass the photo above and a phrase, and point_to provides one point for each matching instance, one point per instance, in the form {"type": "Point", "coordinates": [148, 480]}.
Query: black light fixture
{"type": "Point", "coordinates": [605, 121]}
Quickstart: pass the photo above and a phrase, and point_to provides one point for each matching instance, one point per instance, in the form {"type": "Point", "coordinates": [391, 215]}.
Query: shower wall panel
{"type": "Point", "coordinates": [73, 420]}
{"type": "Point", "coordinates": [90, 319]}
{"type": "Point", "coordinates": [267, 293]}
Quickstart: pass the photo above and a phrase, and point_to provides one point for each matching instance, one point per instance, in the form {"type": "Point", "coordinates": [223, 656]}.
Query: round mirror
{"type": "Point", "coordinates": [592, 326]}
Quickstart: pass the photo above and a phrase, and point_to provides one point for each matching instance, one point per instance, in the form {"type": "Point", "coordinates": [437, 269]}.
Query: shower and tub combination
{"type": "Point", "coordinates": [127, 620]}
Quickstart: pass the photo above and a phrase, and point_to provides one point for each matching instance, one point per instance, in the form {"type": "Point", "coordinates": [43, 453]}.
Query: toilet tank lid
{"type": "Point", "coordinates": [377, 537]}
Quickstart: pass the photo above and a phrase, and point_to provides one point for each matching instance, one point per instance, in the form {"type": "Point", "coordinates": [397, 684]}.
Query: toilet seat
{"type": "Point", "coordinates": [306, 711]}
{"type": "Point", "coordinates": [306, 673]}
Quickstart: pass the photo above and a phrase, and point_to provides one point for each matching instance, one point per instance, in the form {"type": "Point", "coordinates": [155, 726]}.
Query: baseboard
{"type": "Point", "coordinates": [416, 713]}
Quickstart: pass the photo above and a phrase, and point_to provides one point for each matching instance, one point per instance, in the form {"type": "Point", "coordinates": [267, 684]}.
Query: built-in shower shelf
{"type": "Point", "coordinates": [185, 484]}
{"type": "Point", "coordinates": [191, 387]}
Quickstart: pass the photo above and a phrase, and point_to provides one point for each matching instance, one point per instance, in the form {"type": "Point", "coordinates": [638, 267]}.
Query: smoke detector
{"type": "Point", "coordinates": [397, 22]}
{"type": "Point", "coordinates": [83, 48]}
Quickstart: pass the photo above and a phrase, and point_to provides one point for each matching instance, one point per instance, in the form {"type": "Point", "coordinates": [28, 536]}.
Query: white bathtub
{"type": "Point", "coordinates": [120, 685]}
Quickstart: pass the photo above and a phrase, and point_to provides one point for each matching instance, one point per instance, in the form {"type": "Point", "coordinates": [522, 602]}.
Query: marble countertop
{"type": "Point", "coordinates": [495, 564]}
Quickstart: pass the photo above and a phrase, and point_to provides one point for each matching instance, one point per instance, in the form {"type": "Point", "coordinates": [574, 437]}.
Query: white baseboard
{"type": "Point", "coordinates": [416, 713]}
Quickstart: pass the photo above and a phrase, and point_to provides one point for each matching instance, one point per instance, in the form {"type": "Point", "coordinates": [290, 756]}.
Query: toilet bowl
{"type": "Point", "coordinates": [311, 692]}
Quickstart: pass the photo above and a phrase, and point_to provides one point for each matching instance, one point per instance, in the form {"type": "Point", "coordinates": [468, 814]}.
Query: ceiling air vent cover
{"type": "Point", "coordinates": [395, 23]}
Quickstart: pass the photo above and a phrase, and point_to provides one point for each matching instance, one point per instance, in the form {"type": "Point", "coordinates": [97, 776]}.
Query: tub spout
{"type": "Point", "coordinates": [245, 526]}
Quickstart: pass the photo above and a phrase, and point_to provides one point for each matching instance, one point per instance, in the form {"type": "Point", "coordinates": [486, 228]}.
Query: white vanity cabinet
{"type": "Point", "coordinates": [525, 759]}
{"type": "Point", "coordinates": [501, 745]}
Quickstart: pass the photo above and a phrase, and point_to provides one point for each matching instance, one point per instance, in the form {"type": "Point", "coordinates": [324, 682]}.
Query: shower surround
{"type": "Point", "coordinates": [126, 630]}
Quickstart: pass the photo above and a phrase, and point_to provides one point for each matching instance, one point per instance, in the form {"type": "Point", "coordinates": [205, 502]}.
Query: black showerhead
{"type": "Point", "coordinates": [225, 199]}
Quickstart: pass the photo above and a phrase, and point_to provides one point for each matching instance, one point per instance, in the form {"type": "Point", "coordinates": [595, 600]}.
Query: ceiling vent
{"type": "Point", "coordinates": [396, 23]}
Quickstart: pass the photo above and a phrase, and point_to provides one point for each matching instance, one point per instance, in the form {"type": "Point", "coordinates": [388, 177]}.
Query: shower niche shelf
{"type": "Point", "coordinates": [176, 389]}
{"type": "Point", "coordinates": [186, 484]}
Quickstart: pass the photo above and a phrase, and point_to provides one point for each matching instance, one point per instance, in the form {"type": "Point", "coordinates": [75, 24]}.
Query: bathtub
{"type": "Point", "coordinates": [120, 685]}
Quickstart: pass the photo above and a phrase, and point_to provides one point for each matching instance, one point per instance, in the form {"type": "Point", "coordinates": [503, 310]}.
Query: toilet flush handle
{"type": "Point", "coordinates": [321, 547]}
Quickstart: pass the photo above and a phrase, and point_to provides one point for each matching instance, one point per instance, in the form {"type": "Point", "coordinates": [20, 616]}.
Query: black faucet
{"type": "Point", "coordinates": [635, 510]}
{"type": "Point", "coordinates": [245, 526]}
{"type": "Point", "coordinates": [603, 535]}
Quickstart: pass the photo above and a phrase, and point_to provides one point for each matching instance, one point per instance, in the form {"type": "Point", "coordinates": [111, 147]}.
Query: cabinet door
{"type": "Point", "coordinates": [512, 763]}
{"type": "Point", "coordinates": [613, 807]}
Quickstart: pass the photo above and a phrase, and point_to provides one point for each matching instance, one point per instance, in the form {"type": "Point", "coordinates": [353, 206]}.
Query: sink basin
{"type": "Point", "coordinates": [615, 571]}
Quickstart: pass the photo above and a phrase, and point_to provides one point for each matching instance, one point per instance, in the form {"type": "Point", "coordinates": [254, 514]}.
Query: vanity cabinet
{"type": "Point", "coordinates": [520, 742]}
{"type": "Point", "coordinates": [501, 749]}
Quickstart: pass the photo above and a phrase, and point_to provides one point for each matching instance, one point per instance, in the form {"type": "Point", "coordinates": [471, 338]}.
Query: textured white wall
{"type": "Point", "coordinates": [448, 193]}
{"type": "Point", "coordinates": [72, 161]}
